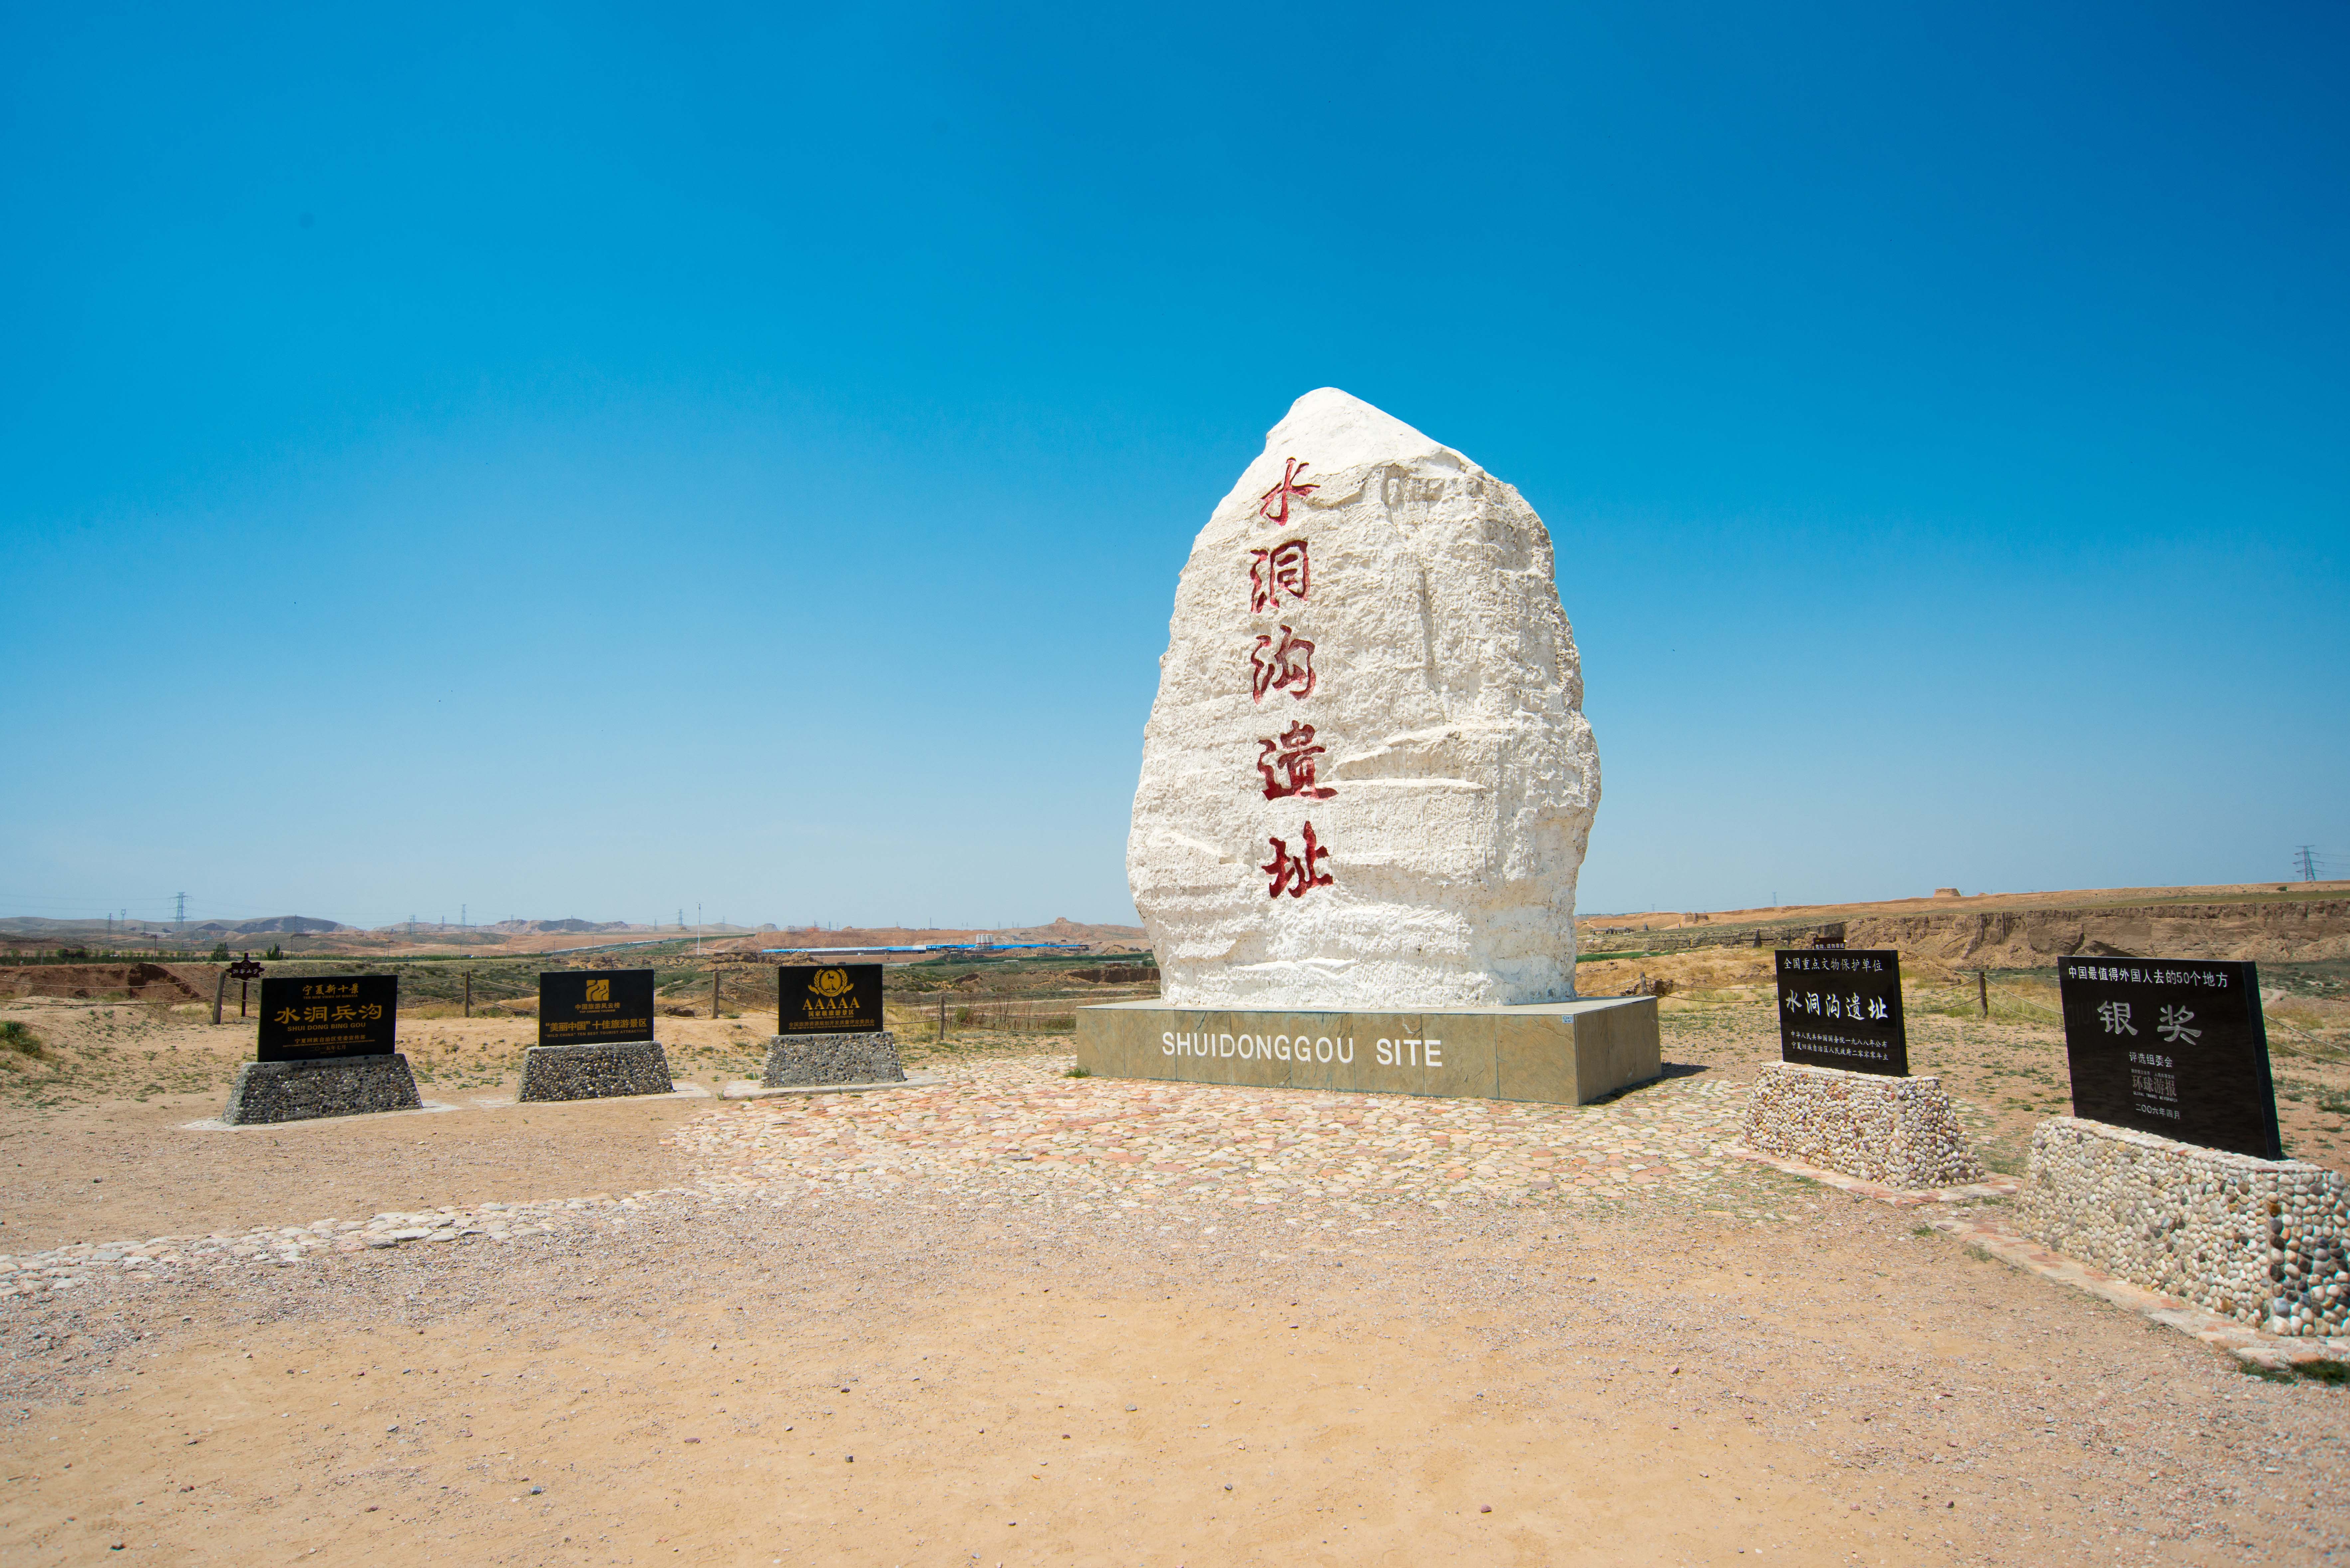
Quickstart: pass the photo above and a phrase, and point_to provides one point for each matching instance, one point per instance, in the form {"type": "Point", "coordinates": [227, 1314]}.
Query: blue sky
{"type": "Point", "coordinates": [583, 461]}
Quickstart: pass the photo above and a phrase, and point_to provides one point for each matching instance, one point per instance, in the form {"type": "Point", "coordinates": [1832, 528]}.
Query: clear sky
{"type": "Point", "coordinates": [572, 461]}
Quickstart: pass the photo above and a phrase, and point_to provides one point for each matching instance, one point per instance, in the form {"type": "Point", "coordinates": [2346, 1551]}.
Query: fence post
{"type": "Point", "coordinates": [713, 991]}
{"type": "Point", "coordinates": [1982, 992]}
{"type": "Point", "coordinates": [469, 993]}
{"type": "Point", "coordinates": [220, 994]}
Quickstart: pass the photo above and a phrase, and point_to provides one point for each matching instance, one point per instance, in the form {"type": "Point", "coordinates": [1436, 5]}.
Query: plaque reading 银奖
{"type": "Point", "coordinates": [831, 999]}
{"type": "Point", "coordinates": [328, 1015]}
{"type": "Point", "coordinates": [1841, 1008]}
{"type": "Point", "coordinates": [594, 1007]}
{"type": "Point", "coordinates": [2171, 1046]}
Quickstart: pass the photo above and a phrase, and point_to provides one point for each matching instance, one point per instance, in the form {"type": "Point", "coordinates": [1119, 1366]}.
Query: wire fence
{"type": "Point", "coordinates": [1007, 1017]}
{"type": "Point", "coordinates": [1620, 943]}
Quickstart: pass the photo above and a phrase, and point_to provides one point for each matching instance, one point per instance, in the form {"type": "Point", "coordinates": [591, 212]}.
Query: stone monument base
{"type": "Point", "coordinates": [1564, 1052]}
{"type": "Point", "coordinates": [594, 1072]}
{"type": "Point", "coordinates": [1900, 1131]}
{"type": "Point", "coordinates": [2259, 1241]}
{"type": "Point", "coordinates": [328, 1086]}
{"type": "Point", "coordinates": [867, 1058]}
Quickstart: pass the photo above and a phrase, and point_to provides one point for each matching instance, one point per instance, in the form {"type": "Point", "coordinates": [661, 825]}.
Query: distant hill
{"type": "Point", "coordinates": [288, 924]}
{"type": "Point", "coordinates": [532, 928]}
{"type": "Point", "coordinates": [1106, 937]}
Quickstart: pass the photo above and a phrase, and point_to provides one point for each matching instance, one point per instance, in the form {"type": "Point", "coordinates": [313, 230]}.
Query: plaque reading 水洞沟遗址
{"type": "Point", "coordinates": [1841, 1008]}
{"type": "Point", "coordinates": [2172, 1046]}
{"type": "Point", "coordinates": [831, 999]}
{"type": "Point", "coordinates": [594, 1007]}
{"type": "Point", "coordinates": [328, 1015]}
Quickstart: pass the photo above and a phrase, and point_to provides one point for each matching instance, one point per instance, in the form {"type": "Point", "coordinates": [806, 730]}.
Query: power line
{"type": "Point", "coordinates": [2308, 862]}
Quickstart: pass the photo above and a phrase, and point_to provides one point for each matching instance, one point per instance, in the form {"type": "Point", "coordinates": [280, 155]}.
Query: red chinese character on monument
{"type": "Point", "coordinates": [1287, 667]}
{"type": "Point", "coordinates": [1296, 872]}
{"type": "Point", "coordinates": [1293, 755]}
{"type": "Point", "coordinates": [1278, 496]}
{"type": "Point", "coordinates": [1273, 573]}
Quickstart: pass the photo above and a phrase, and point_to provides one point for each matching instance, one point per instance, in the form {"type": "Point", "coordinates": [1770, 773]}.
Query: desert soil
{"type": "Point", "coordinates": [1019, 1318]}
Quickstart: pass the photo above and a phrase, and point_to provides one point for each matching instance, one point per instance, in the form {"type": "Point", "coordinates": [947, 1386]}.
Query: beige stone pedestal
{"type": "Point", "coordinates": [1565, 1052]}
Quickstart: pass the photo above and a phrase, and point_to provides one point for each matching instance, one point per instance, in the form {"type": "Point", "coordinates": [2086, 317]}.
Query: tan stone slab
{"type": "Point", "coordinates": [1560, 1052]}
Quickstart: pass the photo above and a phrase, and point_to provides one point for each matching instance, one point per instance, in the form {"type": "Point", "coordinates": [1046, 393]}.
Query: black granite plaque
{"type": "Point", "coordinates": [833, 999]}
{"type": "Point", "coordinates": [1841, 1007]}
{"type": "Point", "coordinates": [594, 1007]}
{"type": "Point", "coordinates": [328, 1015]}
{"type": "Point", "coordinates": [2174, 1046]}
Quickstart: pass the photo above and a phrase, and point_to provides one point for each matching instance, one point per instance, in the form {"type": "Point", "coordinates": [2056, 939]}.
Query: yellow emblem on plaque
{"type": "Point", "coordinates": [599, 990]}
{"type": "Point", "coordinates": [829, 983]}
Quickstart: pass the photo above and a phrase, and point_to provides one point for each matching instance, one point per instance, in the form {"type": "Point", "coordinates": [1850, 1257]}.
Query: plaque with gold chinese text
{"type": "Point", "coordinates": [594, 1007]}
{"type": "Point", "coordinates": [1843, 1009]}
{"type": "Point", "coordinates": [328, 1015]}
{"type": "Point", "coordinates": [2172, 1046]}
{"type": "Point", "coordinates": [831, 999]}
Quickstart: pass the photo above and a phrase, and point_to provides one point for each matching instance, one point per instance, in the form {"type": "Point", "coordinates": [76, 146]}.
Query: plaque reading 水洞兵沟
{"type": "Point", "coordinates": [832, 999]}
{"type": "Point", "coordinates": [2172, 1046]}
{"type": "Point", "coordinates": [1841, 1008]}
{"type": "Point", "coordinates": [328, 1015]}
{"type": "Point", "coordinates": [594, 1007]}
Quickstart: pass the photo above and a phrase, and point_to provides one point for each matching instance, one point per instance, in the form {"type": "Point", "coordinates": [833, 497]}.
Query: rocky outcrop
{"type": "Point", "coordinates": [140, 982]}
{"type": "Point", "coordinates": [2273, 933]}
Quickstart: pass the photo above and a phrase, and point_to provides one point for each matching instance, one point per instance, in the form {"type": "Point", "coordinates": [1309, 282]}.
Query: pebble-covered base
{"type": "Point", "coordinates": [594, 1072]}
{"type": "Point", "coordinates": [2261, 1241]}
{"type": "Point", "coordinates": [1902, 1132]}
{"type": "Point", "coordinates": [833, 1059]}
{"type": "Point", "coordinates": [333, 1086]}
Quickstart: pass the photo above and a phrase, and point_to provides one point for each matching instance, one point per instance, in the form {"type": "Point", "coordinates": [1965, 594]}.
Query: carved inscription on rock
{"type": "Point", "coordinates": [1367, 779]}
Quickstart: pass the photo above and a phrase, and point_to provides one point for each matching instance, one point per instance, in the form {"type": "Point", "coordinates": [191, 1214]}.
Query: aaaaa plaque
{"type": "Point", "coordinates": [328, 1015]}
{"type": "Point", "coordinates": [832, 999]}
{"type": "Point", "coordinates": [1843, 1009]}
{"type": "Point", "coordinates": [594, 1007]}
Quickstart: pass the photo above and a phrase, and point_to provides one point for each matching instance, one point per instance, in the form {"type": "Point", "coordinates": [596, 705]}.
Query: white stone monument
{"type": "Point", "coordinates": [1366, 782]}
{"type": "Point", "coordinates": [1371, 688]}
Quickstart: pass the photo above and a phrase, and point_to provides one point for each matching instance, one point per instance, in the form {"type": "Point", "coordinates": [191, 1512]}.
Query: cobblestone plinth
{"type": "Point", "coordinates": [2261, 1241]}
{"type": "Point", "coordinates": [869, 1058]}
{"type": "Point", "coordinates": [331, 1086]}
{"type": "Point", "coordinates": [1903, 1132]}
{"type": "Point", "coordinates": [594, 1072]}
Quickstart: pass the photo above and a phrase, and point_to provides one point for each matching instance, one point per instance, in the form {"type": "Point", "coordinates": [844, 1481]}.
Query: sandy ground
{"type": "Point", "coordinates": [97, 1153]}
{"type": "Point", "coordinates": [939, 1342]}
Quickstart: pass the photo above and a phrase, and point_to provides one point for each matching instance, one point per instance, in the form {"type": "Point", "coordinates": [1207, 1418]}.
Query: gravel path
{"type": "Point", "coordinates": [1020, 1130]}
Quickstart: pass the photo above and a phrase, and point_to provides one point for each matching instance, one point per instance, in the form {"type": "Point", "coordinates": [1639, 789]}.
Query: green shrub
{"type": "Point", "coordinates": [15, 1036]}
